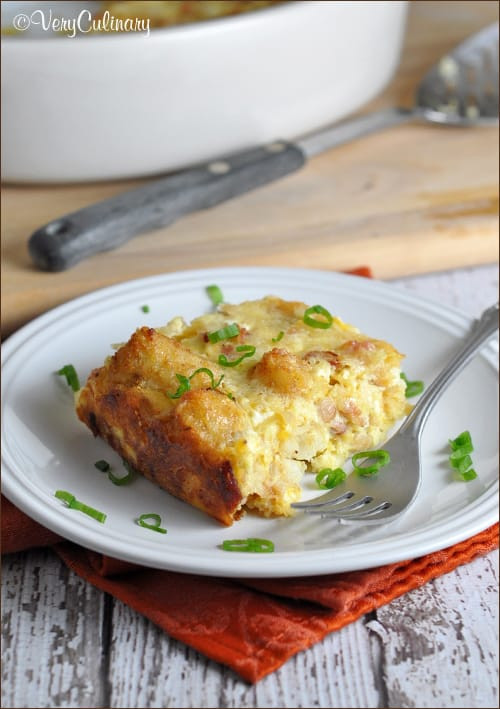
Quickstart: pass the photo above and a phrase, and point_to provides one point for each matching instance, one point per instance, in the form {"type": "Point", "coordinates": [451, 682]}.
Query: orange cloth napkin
{"type": "Point", "coordinates": [251, 625]}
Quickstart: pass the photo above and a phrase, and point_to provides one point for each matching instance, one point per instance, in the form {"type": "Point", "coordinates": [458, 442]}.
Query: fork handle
{"type": "Point", "coordinates": [482, 329]}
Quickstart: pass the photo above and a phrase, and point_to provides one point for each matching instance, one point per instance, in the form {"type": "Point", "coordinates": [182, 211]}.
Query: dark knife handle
{"type": "Point", "coordinates": [66, 241]}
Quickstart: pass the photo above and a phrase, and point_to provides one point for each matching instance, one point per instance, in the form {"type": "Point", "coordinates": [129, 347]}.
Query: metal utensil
{"type": "Point", "coordinates": [386, 495]}
{"type": "Point", "coordinates": [462, 89]}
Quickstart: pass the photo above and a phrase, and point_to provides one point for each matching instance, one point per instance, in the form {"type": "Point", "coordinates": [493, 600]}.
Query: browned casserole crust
{"type": "Point", "coordinates": [302, 402]}
{"type": "Point", "coordinates": [175, 444]}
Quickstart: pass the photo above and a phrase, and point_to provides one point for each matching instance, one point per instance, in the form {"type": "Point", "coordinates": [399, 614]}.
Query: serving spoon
{"type": "Point", "coordinates": [460, 90]}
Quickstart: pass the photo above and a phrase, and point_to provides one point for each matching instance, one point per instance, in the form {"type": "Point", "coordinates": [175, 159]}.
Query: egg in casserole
{"type": "Point", "coordinates": [230, 411]}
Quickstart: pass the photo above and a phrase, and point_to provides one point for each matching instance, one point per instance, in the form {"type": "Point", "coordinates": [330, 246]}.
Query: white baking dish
{"type": "Point", "coordinates": [117, 106]}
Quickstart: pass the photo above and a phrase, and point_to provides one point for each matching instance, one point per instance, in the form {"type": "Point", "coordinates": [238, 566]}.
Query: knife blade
{"type": "Point", "coordinates": [103, 226]}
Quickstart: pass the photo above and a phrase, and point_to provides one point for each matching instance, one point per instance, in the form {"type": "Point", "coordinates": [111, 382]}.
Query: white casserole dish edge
{"type": "Point", "coordinates": [119, 106]}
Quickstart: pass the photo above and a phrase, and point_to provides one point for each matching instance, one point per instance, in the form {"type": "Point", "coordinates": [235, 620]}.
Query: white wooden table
{"type": "Point", "coordinates": [66, 644]}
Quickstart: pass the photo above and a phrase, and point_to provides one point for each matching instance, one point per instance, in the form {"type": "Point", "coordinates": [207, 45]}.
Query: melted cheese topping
{"type": "Point", "coordinates": [311, 397]}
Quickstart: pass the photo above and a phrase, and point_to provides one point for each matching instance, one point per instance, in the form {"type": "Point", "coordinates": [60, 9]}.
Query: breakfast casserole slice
{"type": "Point", "coordinates": [229, 412]}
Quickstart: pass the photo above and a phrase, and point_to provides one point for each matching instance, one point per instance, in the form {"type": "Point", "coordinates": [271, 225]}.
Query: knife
{"type": "Point", "coordinates": [64, 242]}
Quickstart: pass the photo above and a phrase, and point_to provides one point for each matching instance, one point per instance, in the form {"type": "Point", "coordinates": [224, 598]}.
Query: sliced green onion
{"type": "Point", "coordinates": [185, 382]}
{"type": "Point", "coordinates": [412, 388]}
{"type": "Point", "coordinates": [469, 474]}
{"type": "Point", "coordinates": [65, 496]}
{"type": "Point", "coordinates": [154, 525]}
{"type": "Point", "coordinates": [105, 467]}
{"type": "Point", "coordinates": [75, 504]}
{"type": "Point", "coordinates": [205, 370]}
{"type": "Point", "coordinates": [183, 387]}
{"type": "Point", "coordinates": [129, 468]}
{"type": "Point", "coordinates": [328, 478]}
{"type": "Point", "coordinates": [323, 324]}
{"type": "Point", "coordinates": [249, 351]}
{"type": "Point", "coordinates": [459, 457]}
{"type": "Point", "coordinates": [225, 333]}
{"type": "Point", "coordinates": [460, 452]}
{"type": "Point", "coordinates": [251, 544]}
{"type": "Point", "coordinates": [90, 511]}
{"type": "Point", "coordinates": [380, 457]}
{"type": "Point", "coordinates": [145, 308]}
{"type": "Point", "coordinates": [125, 479]}
{"type": "Point", "coordinates": [278, 337]}
{"type": "Point", "coordinates": [463, 440]}
{"type": "Point", "coordinates": [69, 372]}
{"type": "Point", "coordinates": [461, 464]}
{"type": "Point", "coordinates": [215, 295]}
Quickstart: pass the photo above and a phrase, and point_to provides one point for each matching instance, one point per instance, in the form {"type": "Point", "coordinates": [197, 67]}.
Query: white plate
{"type": "Point", "coordinates": [45, 447]}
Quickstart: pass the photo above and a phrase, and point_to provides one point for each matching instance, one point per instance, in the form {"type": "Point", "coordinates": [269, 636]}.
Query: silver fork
{"type": "Point", "coordinates": [384, 496]}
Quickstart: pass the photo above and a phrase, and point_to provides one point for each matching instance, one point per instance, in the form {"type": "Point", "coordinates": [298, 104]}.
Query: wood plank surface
{"type": "Point", "coordinates": [436, 638]}
{"type": "Point", "coordinates": [436, 646]}
{"type": "Point", "coordinates": [52, 624]}
{"type": "Point", "coordinates": [410, 200]}
{"type": "Point", "coordinates": [317, 677]}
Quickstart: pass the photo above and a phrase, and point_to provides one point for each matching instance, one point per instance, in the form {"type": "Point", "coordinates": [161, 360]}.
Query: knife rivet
{"type": "Point", "coordinates": [219, 167]}
{"type": "Point", "coordinates": [275, 147]}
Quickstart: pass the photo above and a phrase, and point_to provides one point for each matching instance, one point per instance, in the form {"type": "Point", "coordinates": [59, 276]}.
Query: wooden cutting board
{"type": "Point", "coordinates": [414, 199]}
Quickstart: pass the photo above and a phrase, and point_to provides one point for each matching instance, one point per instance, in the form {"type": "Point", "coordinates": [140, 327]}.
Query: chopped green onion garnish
{"type": "Point", "coordinates": [154, 525]}
{"type": "Point", "coordinates": [225, 333]}
{"type": "Point", "coordinates": [205, 370]}
{"type": "Point", "coordinates": [460, 453]}
{"type": "Point", "coordinates": [249, 351]}
{"type": "Point", "coordinates": [459, 457]}
{"type": "Point", "coordinates": [145, 308]}
{"type": "Point", "coordinates": [461, 464]}
{"type": "Point", "coordinates": [412, 388]}
{"type": "Point", "coordinates": [69, 372]}
{"type": "Point", "coordinates": [129, 468]}
{"type": "Point", "coordinates": [251, 544]}
{"type": "Point", "coordinates": [380, 457]}
{"type": "Point", "coordinates": [183, 387]}
{"type": "Point", "coordinates": [66, 496]}
{"type": "Point", "coordinates": [464, 440]}
{"type": "Point", "coordinates": [278, 337]}
{"type": "Point", "coordinates": [185, 382]}
{"type": "Point", "coordinates": [105, 467]}
{"type": "Point", "coordinates": [323, 324]}
{"type": "Point", "coordinates": [215, 295]}
{"type": "Point", "coordinates": [125, 479]}
{"type": "Point", "coordinates": [328, 478]}
{"type": "Point", "coordinates": [75, 504]}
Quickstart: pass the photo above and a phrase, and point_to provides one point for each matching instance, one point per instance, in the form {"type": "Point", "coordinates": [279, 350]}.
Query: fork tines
{"type": "Point", "coordinates": [358, 508]}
